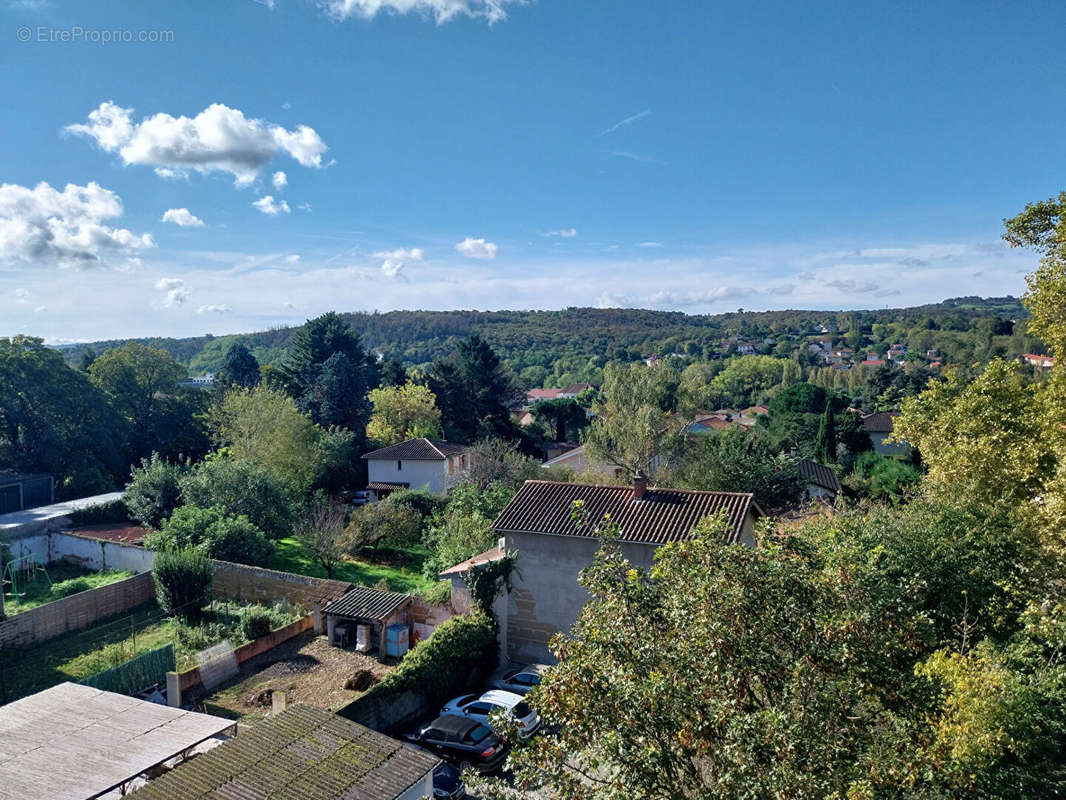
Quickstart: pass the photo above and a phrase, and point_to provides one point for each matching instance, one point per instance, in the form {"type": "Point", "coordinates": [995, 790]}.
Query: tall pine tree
{"type": "Point", "coordinates": [825, 445]}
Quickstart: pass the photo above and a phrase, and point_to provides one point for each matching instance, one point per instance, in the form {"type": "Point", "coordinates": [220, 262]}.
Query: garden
{"type": "Point", "coordinates": [35, 587]}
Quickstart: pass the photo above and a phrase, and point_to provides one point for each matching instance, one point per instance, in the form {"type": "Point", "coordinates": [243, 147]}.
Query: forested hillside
{"type": "Point", "coordinates": [555, 348]}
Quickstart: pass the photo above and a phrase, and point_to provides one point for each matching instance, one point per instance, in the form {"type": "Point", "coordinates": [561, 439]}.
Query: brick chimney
{"type": "Point", "coordinates": [640, 485]}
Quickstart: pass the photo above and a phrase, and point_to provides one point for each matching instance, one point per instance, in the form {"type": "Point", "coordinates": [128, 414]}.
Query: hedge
{"type": "Point", "coordinates": [461, 651]}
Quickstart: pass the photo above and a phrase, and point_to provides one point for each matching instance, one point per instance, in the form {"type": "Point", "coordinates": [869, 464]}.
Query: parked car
{"type": "Point", "coordinates": [520, 680]}
{"type": "Point", "coordinates": [448, 783]}
{"type": "Point", "coordinates": [480, 707]}
{"type": "Point", "coordinates": [465, 742]}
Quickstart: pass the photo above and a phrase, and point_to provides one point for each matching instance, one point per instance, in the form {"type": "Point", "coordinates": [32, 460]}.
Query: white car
{"type": "Point", "coordinates": [520, 679]}
{"type": "Point", "coordinates": [480, 708]}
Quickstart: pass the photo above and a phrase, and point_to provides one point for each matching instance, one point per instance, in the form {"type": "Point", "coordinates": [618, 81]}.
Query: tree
{"type": "Point", "coordinates": [139, 380]}
{"type": "Point", "coordinates": [154, 490]}
{"type": "Point", "coordinates": [338, 394]}
{"type": "Point", "coordinates": [825, 444]}
{"type": "Point", "coordinates": [745, 379]}
{"type": "Point", "coordinates": [736, 460]}
{"type": "Point", "coordinates": [882, 477]}
{"type": "Point", "coordinates": [375, 523]}
{"type": "Point", "coordinates": [263, 426]}
{"type": "Point", "coordinates": [239, 368]}
{"type": "Point", "coordinates": [183, 583]}
{"type": "Point", "coordinates": [1042, 226]}
{"type": "Point", "coordinates": [496, 462]}
{"type": "Point", "coordinates": [52, 419]}
{"type": "Point", "coordinates": [214, 533]}
{"type": "Point", "coordinates": [564, 417]}
{"type": "Point", "coordinates": [392, 372]}
{"type": "Point", "coordinates": [475, 392]}
{"type": "Point", "coordinates": [321, 531]}
{"type": "Point", "coordinates": [403, 412]}
{"type": "Point", "coordinates": [632, 424]}
{"type": "Point", "coordinates": [241, 487]}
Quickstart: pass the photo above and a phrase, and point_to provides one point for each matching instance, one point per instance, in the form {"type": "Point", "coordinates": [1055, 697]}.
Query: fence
{"type": "Point", "coordinates": [138, 673]}
{"type": "Point", "coordinates": [75, 612]}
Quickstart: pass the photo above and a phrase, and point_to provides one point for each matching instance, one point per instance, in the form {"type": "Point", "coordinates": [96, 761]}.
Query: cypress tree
{"type": "Point", "coordinates": [825, 445]}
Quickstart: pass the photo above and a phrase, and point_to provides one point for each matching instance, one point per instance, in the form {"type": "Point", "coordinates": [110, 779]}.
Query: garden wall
{"type": "Point", "coordinates": [99, 554]}
{"type": "Point", "coordinates": [191, 677]}
{"type": "Point", "coordinates": [258, 585]}
{"type": "Point", "coordinates": [386, 711]}
{"type": "Point", "coordinates": [76, 611]}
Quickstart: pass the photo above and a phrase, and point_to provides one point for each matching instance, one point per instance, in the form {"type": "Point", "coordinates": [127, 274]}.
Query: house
{"type": "Point", "coordinates": [551, 549]}
{"type": "Point", "coordinates": [820, 482]}
{"type": "Point", "coordinates": [1041, 362]}
{"type": "Point", "coordinates": [205, 381]}
{"type": "Point", "coordinates": [361, 617]}
{"type": "Point", "coordinates": [429, 464]}
{"type": "Point", "coordinates": [710, 422]}
{"type": "Point", "coordinates": [878, 426]}
{"type": "Point", "coordinates": [301, 753]}
{"type": "Point", "coordinates": [571, 392]}
{"type": "Point", "coordinates": [582, 463]}
{"type": "Point", "coordinates": [536, 395]}
{"type": "Point", "coordinates": [873, 362]}
{"type": "Point", "coordinates": [20, 491]}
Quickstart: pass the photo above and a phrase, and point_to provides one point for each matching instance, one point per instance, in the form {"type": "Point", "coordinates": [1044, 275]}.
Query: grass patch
{"type": "Point", "coordinates": [400, 568]}
{"type": "Point", "coordinates": [62, 580]}
{"type": "Point", "coordinates": [112, 642]}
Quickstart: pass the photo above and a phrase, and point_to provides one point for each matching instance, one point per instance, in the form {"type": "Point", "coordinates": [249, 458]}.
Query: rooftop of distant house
{"type": "Point", "coordinates": [652, 515]}
{"type": "Point", "coordinates": [419, 450]}
{"type": "Point", "coordinates": [818, 474]}
{"type": "Point", "coordinates": [301, 753]}
{"type": "Point", "coordinates": [879, 422]}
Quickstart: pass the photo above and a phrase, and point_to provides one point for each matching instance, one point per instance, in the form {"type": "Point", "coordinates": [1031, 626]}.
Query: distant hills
{"type": "Point", "coordinates": [525, 338]}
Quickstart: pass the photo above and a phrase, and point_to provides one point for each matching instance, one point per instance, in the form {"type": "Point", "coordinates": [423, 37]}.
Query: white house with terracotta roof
{"type": "Point", "coordinates": [429, 464]}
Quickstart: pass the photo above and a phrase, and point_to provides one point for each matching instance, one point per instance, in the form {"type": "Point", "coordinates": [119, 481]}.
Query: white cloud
{"type": "Point", "coordinates": [391, 268]}
{"type": "Point", "coordinates": [394, 260]}
{"type": "Point", "coordinates": [219, 139]}
{"type": "Point", "coordinates": [304, 207]}
{"type": "Point", "coordinates": [177, 291]}
{"type": "Point", "coordinates": [268, 205]}
{"type": "Point", "coordinates": [286, 106]}
{"type": "Point", "coordinates": [477, 248]}
{"type": "Point", "coordinates": [182, 217]}
{"type": "Point", "coordinates": [39, 309]}
{"type": "Point", "coordinates": [650, 244]}
{"type": "Point", "coordinates": [564, 233]}
{"type": "Point", "coordinates": [292, 258]}
{"type": "Point", "coordinates": [636, 157]}
{"type": "Point", "coordinates": [213, 309]}
{"type": "Point", "coordinates": [44, 225]}
{"type": "Point", "coordinates": [280, 180]}
{"type": "Point", "coordinates": [439, 10]}
{"type": "Point", "coordinates": [22, 296]}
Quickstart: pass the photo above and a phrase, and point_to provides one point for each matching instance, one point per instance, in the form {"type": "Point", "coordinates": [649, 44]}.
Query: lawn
{"type": "Point", "coordinates": [400, 568]}
{"type": "Point", "coordinates": [106, 644]}
{"type": "Point", "coordinates": [60, 581]}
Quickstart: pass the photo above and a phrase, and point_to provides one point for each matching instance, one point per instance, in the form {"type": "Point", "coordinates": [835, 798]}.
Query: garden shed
{"type": "Point", "coordinates": [363, 618]}
{"type": "Point", "coordinates": [20, 491]}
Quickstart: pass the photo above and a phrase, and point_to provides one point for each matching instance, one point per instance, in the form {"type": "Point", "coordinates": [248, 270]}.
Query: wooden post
{"type": "Point", "coordinates": [317, 612]}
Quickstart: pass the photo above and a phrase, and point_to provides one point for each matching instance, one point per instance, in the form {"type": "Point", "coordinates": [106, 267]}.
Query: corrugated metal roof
{"type": "Point", "coordinates": [362, 602]}
{"type": "Point", "coordinates": [302, 753]}
{"type": "Point", "coordinates": [663, 515]}
{"type": "Point", "coordinates": [419, 450]}
{"type": "Point", "coordinates": [818, 474]}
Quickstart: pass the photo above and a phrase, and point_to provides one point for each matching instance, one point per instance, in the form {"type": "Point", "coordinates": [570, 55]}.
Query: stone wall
{"type": "Point", "coordinates": [386, 711]}
{"type": "Point", "coordinates": [76, 612]}
{"type": "Point", "coordinates": [258, 585]}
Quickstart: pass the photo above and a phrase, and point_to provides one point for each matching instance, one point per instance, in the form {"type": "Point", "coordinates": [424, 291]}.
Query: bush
{"type": "Point", "coordinates": [69, 587]}
{"type": "Point", "coordinates": [437, 594]}
{"type": "Point", "coordinates": [423, 503]}
{"type": "Point", "coordinates": [183, 583]}
{"type": "Point", "coordinates": [115, 511]}
{"type": "Point", "coordinates": [375, 523]}
{"type": "Point", "coordinates": [214, 533]}
{"type": "Point", "coordinates": [460, 653]}
{"type": "Point", "coordinates": [154, 490]}
{"type": "Point", "coordinates": [255, 626]}
{"type": "Point", "coordinates": [241, 487]}
{"type": "Point", "coordinates": [882, 477]}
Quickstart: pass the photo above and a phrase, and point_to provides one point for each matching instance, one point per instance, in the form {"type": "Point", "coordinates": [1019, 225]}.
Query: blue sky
{"type": "Point", "coordinates": [700, 156]}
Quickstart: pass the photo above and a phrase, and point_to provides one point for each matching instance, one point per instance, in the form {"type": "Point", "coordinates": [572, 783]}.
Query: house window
{"type": "Point", "coordinates": [399, 465]}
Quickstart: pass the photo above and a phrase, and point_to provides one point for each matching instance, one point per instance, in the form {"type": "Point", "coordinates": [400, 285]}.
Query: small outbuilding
{"type": "Point", "coordinates": [819, 481]}
{"type": "Point", "coordinates": [370, 619]}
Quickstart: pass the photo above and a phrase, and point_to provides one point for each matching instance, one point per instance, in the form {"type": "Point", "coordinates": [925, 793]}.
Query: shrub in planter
{"type": "Point", "coordinates": [255, 626]}
{"type": "Point", "coordinates": [183, 583]}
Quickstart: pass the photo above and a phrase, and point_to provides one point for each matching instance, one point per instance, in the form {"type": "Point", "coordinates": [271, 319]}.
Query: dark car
{"type": "Point", "coordinates": [465, 742]}
{"type": "Point", "coordinates": [448, 783]}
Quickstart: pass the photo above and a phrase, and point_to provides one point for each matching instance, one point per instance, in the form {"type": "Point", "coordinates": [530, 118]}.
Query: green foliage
{"type": "Point", "coordinates": [70, 586]}
{"type": "Point", "coordinates": [403, 412]}
{"type": "Point", "coordinates": [437, 593]}
{"type": "Point", "coordinates": [460, 651]}
{"type": "Point", "coordinates": [321, 531]}
{"type": "Point", "coordinates": [422, 502]}
{"type": "Point", "coordinates": [564, 416]}
{"type": "Point", "coordinates": [241, 487]}
{"type": "Point", "coordinates": [183, 583]}
{"type": "Point", "coordinates": [116, 511]}
{"type": "Point", "coordinates": [1042, 226]}
{"type": "Point", "coordinates": [882, 477]}
{"type": "Point", "coordinates": [799, 398]}
{"type": "Point", "coordinates": [498, 463]}
{"type": "Point", "coordinates": [214, 533]}
{"type": "Point", "coordinates": [463, 530]}
{"type": "Point", "coordinates": [825, 443]}
{"type": "Point", "coordinates": [736, 460]}
{"type": "Point", "coordinates": [475, 392]}
{"type": "Point", "coordinates": [377, 523]}
{"type": "Point", "coordinates": [239, 368]}
{"type": "Point", "coordinates": [488, 580]}
{"type": "Point", "coordinates": [745, 380]}
{"type": "Point", "coordinates": [154, 490]}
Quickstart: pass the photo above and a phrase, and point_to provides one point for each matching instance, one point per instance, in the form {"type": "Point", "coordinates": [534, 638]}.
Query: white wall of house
{"type": "Point", "coordinates": [815, 492]}
{"type": "Point", "coordinates": [434, 476]}
{"type": "Point", "coordinates": [424, 788]}
{"type": "Point", "coordinates": [888, 448]}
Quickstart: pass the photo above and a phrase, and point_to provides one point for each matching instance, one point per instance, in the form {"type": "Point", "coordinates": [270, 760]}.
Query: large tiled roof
{"type": "Point", "coordinates": [878, 422]}
{"type": "Point", "coordinates": [663, 515]}
{"type": "Point", "coordinates": [419, 450]}
{"type": "Point", "coordinates": [365, 603]}
{"type": "Point", "coordinates": [302, 753]}
{"type": "Point", "coordinates": [818, 474]}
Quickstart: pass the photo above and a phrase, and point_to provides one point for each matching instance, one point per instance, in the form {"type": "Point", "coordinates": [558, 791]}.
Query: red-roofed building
{"type": "Point", "coordinates": [1043, 362]}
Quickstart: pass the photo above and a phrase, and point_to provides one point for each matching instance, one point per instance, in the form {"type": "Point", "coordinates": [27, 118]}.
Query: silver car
{"type": "Point", "coordinates": [481, 707]}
